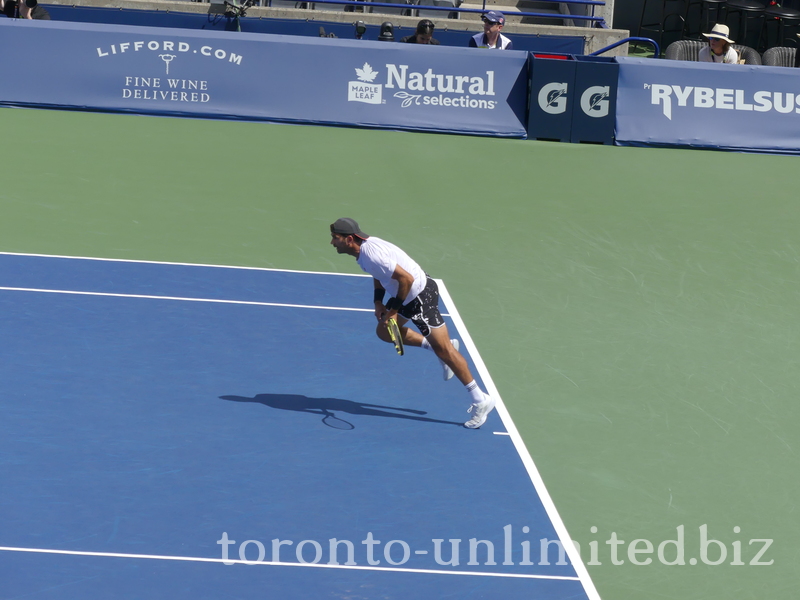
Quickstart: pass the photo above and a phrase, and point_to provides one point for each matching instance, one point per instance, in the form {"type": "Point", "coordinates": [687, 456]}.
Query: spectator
{"type": "Point", "coordinates": [491, 37]}
{"type": "Point", "coordinates": [28, 9]}
{"type": "Point", "coordinates": [719, 48]}
{"type": "Point", "coordinates": [423, 35]}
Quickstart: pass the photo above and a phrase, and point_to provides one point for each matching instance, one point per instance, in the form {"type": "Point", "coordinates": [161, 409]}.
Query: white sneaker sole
{"type": "Point", "coordinates": [479, 413]}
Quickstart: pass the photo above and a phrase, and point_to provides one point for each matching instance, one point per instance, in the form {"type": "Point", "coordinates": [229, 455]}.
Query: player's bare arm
{"type": "Point", "coordinates": [380, 307]}
{"type": "Point", "coordinates": [404, 280]}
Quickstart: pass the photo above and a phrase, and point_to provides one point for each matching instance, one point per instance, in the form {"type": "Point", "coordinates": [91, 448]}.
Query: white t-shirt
{"type": "Point", "coordinates": [731, 57]}
{"type": "Point", "coordinates": [379, 258]}
{"type": "Point", "coordinates": [502, 43]}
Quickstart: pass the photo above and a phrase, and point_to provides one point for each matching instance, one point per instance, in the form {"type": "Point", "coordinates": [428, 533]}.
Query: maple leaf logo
{"type": "Point", "coordinates": [366, 73]}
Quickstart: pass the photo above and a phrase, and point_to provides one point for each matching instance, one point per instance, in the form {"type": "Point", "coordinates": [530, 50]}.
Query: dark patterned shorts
{"type": "Point", "coordinates": [423, 310]}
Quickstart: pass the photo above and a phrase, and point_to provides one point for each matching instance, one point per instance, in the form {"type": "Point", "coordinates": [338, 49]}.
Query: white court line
{"type": "Point", "coordinates": [180, 264]}
{"type": "Point", "coordinates": [502, 411]}
{"type": "Point", "coordinates": [213, 300]}
{"type": "Point", "coordinates": [519, 444]}
{"type": "Point", "coordinates": [186, 299]}
{"type": "Point", "coordinates": [281, 564]}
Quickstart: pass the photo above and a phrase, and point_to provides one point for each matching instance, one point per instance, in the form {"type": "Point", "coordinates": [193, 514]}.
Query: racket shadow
{"type": "Point", "coordinates": [329, 407]}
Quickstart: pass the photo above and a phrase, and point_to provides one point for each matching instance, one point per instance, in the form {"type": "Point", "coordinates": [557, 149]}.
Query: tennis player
{"type": "Point", "coordinates": [415, 298]}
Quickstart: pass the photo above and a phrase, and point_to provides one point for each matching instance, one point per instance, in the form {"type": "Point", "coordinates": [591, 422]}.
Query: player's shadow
{"type": "Point", "coordinates": [328, 407]}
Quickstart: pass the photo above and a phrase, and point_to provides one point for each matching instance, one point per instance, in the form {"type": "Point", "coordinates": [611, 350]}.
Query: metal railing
{"type": "Point", "coordinates": [656, 49]}
{"type": "Point", "coordinates": [598, 21]}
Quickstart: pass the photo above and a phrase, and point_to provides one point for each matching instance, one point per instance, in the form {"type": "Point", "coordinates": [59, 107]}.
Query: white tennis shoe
{"type": "Point", "coordinates": [447, 372]}
{"type": "Point", "coordinates": [479, 410]}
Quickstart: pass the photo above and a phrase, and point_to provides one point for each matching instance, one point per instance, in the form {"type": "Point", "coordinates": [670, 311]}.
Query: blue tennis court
{"type": "Point", "coordinates": [190, 431]}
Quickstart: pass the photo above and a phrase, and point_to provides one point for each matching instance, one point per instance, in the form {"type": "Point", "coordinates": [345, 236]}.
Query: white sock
{"type": "Point", "coordinates": [426, 345]}
{"type": "Point", "coordinates": [475, 391]}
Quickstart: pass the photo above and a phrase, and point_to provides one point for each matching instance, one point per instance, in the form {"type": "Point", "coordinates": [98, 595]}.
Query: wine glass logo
{"type": "Point", "coordinates": [167, 58]}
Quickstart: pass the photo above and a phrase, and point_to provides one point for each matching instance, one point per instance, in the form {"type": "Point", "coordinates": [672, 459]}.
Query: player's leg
{"type": "Point", "coordinates": [442, 346]}
{"type": "Point", "coordinates": [423, 311]}
{"type": "Point", "coordinates": [482, 404]}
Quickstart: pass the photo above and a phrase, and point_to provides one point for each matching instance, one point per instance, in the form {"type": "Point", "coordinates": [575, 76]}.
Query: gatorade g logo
{"type": "Point", "coordinates": [553, 98]}
{"type": "Point", "coordinates": [594, 101]}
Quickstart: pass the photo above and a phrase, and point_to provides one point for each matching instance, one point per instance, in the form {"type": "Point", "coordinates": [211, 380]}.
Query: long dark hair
{"type": "Point", "coordinates": [425, 27]}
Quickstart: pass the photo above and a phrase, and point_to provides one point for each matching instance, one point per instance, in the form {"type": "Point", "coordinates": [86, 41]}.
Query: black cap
{"type": "Point", "coordinates": [348, 226]}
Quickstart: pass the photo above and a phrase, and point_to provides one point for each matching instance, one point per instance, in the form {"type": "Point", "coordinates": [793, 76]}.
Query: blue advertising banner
{"type": "Point", "coordinates": [573, 100]}
{"type": "Point", "coordinates": [734, 107]}
{"type": "Point", "coordinates": [263, 77]}
{"type": "Point", "coordinates": [596, 86]}
{"type": "Point", "coordinates": [552, 99]}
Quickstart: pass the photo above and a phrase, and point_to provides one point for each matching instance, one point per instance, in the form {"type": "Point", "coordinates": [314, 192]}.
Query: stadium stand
{"type": "Point", "coordinates": [292, 17]}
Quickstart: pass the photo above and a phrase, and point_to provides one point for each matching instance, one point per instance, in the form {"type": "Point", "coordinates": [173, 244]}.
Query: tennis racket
{"type": "Point", "coordinates": [394, 333]}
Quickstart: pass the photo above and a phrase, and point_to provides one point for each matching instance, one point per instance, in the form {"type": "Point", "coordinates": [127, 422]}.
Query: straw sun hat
{"type": "Point", "coordinates": [721, 32]}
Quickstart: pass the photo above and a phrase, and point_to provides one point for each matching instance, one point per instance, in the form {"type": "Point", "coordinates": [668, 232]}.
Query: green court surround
{"type": "Point", "coordinates": [637, 308]}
